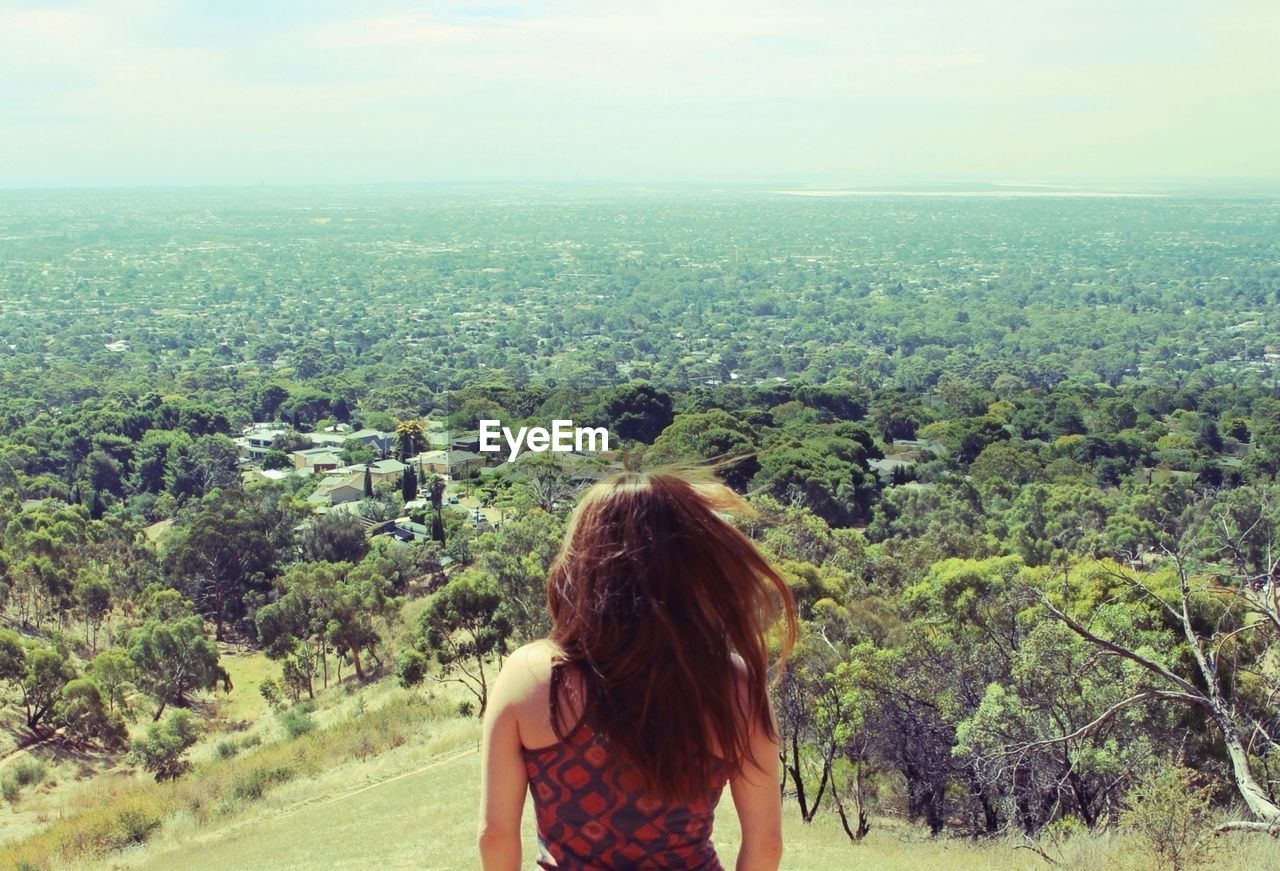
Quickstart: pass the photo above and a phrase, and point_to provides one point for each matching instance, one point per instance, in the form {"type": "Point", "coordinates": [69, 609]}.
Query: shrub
{"type": "Point", "coordinates": [1168, 814]}
{"type": "Point", "coordinates": [226, 749]}
{"type": "Point", "coordinates": [10, 789]}
{"type": "Point", "coordinates": [162, 750]}
{"type": "Point", "coordinates": [133, 825]}
{"type": "Point", "coordinates": [255, 783]}
{"type": "Point", "coordinates": [29, 771]}
{"type": "Point", "coordinates": [297, 721]}
{"type": "Point", "coordinates": [411, 668]}
{"type": "Point", "coordinates": [271, 692]}
{"type": "Point", "coordinates": [85, 717]}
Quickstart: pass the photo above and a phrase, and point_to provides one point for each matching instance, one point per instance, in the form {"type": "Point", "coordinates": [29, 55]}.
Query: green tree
{"type": "Point", "coordinates": [637, 411]}
{"type": "Point", "coordinates": [896, 415]}
{"type": "Point", "coordinates": [1003, 467]}
{"type": "Point", "coordinates": [361, 598]}
{"type": "Point", "coordinates": [435, 488]}
{"type": "Point", "coordinates": [409, 484]}
{"type": "Point", "coordinates": [162, 750]}
{"type": "Point", "coordinates": [516, 557]}
{"type": "Point", "coordinates": [83, 716]}
{"type": "Point", "coordinates": [711, 435]}
{"type": "Point", "coordinates": [335, 537]}
{"type": "Point", "coordinates": [292, 628]}
{"type": "Point", "coordinates": [46, 671]}
{"type": "Point", "coordinates": [275, 459]}
{"type": "Point", "coordinates": [172, 659]}
{"type": "Point", "coordinates": [464, 627]}
{"type": "Point", "coordinates": [228, 551]}
{"type": "Point", "coordinates": [93, 602]}
{"type": "Point", "coordinates": [411, 439]}
{"type": "Point", "coordinates": [112, 671]}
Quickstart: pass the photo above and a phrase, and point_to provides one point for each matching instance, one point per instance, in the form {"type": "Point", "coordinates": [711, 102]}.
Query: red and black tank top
{"type": "Point", "coordinates": [593, 814]}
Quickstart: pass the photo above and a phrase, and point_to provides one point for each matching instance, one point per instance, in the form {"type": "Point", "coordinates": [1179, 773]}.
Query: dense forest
{"type": "Point", "coordinates": [1016, 458]}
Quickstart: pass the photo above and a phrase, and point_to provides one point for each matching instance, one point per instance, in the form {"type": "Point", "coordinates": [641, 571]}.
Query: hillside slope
{"type": "Point", "coordinates": [414, 806]}
{"type": "Point", "coordinates": [425, 818]}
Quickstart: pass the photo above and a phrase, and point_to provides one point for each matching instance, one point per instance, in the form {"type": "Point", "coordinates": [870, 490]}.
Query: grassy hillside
{"type": "Point", "coordinates": [386, 778]}
{"type": "Point", "coordinates": [411, 815]}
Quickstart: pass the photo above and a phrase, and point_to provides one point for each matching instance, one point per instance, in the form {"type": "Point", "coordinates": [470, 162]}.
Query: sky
{"type": "Point", "coordinates": [146, 92]}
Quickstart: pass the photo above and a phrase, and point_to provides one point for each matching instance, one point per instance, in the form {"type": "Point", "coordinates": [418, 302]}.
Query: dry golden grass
{"type": "Point", "coordinates": [423, 816]}
{"type": "Point", "coordinates": [122, 811]}
{"type": "Point", "coordinates": [389, 779]}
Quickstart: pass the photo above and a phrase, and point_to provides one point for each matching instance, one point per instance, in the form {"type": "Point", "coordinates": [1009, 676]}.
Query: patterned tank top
{"type": "Point", "coordinates": [592, 812]}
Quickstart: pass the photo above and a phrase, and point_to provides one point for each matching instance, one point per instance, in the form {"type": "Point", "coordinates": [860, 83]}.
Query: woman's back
{"type": "Point", "coordinates": [592, 809]}
{"type": "Point", "coordinates": [660, 611]}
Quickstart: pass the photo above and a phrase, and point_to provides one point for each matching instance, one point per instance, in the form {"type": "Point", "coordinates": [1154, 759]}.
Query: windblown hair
{"type": "Point", "coordinates": [652, 592]}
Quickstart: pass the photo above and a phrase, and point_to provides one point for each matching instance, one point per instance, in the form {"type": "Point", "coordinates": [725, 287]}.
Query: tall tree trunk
{"type": "Point", "coordinates": [1210, 699]}
{"type": "Point", "coordinates": [484, 686]}
{"type": "Point", "coordinates": [794, 766]}
{"type": "Point", "coordinates": [859, 808]}
{"type": "Point", "coordinates": [1255, 797]}
{"type": "Point", "coordinates": [822, 786]}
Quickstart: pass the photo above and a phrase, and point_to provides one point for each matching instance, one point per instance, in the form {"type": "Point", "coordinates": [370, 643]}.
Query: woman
{"type": "Point", "coordinates": [650, 693]}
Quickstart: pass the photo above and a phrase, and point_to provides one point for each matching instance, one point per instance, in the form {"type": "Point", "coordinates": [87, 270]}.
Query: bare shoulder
{"type": "Point", "coordinates": [527, 671]}
{"type": "Point", "coordinates": [746, 691]}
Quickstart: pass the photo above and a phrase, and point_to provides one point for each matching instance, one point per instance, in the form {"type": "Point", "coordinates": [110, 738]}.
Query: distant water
{"type": "Point", "coordinates": [965, 193]}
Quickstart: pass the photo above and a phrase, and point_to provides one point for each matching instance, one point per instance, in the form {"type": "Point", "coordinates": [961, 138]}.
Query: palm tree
{"type": "Point", "coordinates": [435, 487]}
{"type": "Point", "coordinates": [410, 439]}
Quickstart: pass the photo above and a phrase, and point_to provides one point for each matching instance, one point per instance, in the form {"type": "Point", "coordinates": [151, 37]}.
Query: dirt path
{"type": "Point", "coordinates": [439, 763]}
{"type": "Point", "coordinates": [23, 748]}
{"type": "Point", "coordinates": [413, 819]}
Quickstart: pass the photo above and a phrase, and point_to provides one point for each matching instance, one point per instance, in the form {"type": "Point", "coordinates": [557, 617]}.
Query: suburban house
{"type": "Point", "coordinates": [404, 529]}
{"type": "Point", "coordinates": [382, 443]}
{"type": "Point", "coordinates": [338, 489]}
{"type": "Point", "coordinates": [446, 462]}
{"type": "Point", "coordinates": [255, 440]}
{"type": "Point", "coordinates": [249, 475]}
{"type": "Point", "coordinates": [317, 459]}
{"type": "Point", "coordinates": [886, 468]}
{"type": "Point", "coordinates": [381, 472]}
{"type": "Point", "coordinates": [466, 443]}
{"type": "Point", "coordinates": [332, 440]}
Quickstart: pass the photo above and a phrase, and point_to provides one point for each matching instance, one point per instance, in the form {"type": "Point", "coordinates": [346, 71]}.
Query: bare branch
{"type": "Point", "coordinates": [1272, 829]}
{"type": "Point", "coordinates": [1150, 665]}
{"type": "Point", "coordinates": [1147, 696]}
{"type": "Point", "coordinates": [1234, 632]}
{"type": "Point", "coordinates": [1034, 848]}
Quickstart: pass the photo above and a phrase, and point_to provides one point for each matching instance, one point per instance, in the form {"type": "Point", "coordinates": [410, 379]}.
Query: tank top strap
{"type": "Point", "coordinates": [557, 686]}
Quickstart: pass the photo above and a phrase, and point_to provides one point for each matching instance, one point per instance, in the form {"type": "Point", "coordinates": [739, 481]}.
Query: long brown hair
{"type": "Point", "coordinates": [652, 592]}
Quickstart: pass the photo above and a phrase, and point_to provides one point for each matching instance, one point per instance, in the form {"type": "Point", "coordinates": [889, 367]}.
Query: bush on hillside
{"type": "Point", "coordinates": [297, 721]}
{"type": "Point", "coordinates": [411, 668]}
{"type": "Point", "coordinates": [162, 751]}
{"type": "Point", "coordinates": [1168, 814]}
{"type": "Point", "coordinates": [29, 771]}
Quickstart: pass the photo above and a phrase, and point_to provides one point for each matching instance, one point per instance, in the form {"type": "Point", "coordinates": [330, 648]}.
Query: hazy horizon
{"type": "Point", "coordinates": [143, 93]}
